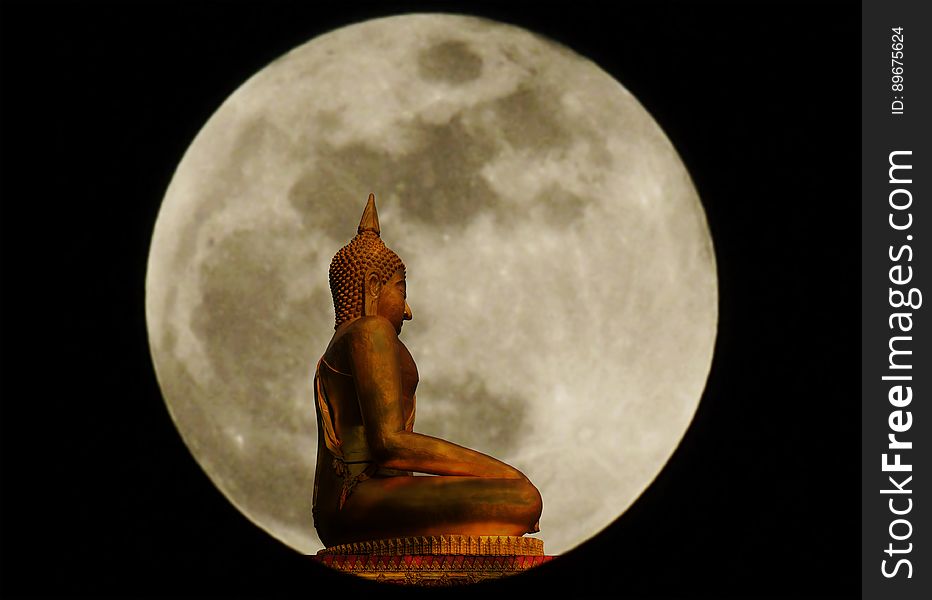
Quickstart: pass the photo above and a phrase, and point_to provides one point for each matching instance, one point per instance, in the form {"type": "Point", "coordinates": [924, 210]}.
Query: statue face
{"type": "Point", "coordinates": [393, 304]}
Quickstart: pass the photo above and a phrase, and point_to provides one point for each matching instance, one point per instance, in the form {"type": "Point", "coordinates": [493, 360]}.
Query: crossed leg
{"type": "Point", "coordinates": [389, 507]}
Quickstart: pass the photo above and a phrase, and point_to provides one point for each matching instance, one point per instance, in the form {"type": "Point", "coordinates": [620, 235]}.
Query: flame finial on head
{"type": "Point", "coordinates": [370, 218]}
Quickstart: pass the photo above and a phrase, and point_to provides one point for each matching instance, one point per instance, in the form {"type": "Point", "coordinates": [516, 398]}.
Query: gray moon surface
{"type": "Point", "coordinates": [560, 268]}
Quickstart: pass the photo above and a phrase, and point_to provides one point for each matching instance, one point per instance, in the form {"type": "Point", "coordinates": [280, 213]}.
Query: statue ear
{"type": "Point", "coordinates": [372, 287]}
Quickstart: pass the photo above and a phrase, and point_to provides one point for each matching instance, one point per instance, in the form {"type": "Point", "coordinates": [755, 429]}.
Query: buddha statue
{"type": "Point", "coordinates": [371, 464]}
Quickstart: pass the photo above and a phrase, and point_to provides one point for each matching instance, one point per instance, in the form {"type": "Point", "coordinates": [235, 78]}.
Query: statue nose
{"type": "Point", "coordinates": [408, 315]}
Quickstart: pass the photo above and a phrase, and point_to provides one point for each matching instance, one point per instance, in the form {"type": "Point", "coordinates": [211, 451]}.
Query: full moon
{"type": "Point", "coordinates": [560, 268]}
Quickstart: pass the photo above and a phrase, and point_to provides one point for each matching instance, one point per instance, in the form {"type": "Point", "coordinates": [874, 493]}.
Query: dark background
{"type": "Point", "coordinates": [99, 101]}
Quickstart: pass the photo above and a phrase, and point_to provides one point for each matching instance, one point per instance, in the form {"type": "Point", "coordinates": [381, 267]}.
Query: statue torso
{"type": "Point", "coordinates": [336, 377]}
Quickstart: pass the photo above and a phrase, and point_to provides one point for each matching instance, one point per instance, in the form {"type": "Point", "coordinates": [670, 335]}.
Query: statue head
{"type": "Point", "coordinates": [366, 277]}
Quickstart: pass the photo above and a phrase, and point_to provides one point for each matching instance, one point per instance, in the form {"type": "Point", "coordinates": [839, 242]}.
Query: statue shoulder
{"type": "Point", "coordinates": [368, 342]}
{"type": "Point", "coordinates": [370, 327]}
{"type": "Point", "coordinates": [361, 336]}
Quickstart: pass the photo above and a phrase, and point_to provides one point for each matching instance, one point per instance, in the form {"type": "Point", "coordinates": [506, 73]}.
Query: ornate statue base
{"type": "Point", "coordinates": [437, 560]}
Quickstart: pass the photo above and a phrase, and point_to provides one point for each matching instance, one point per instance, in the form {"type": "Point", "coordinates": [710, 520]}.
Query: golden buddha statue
{"type": "Point", "coordinates": [367, 485]}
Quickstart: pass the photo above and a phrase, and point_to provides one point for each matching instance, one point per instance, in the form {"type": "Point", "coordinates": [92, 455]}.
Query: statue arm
{"type": "Point", "coordinates": [374, 357]}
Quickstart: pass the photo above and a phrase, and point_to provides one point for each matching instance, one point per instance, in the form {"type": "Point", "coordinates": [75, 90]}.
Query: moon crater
{"type": "Point", "coordinates": [449, 61]}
